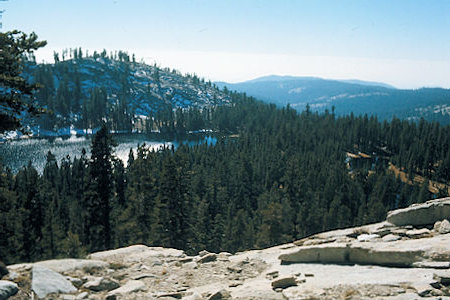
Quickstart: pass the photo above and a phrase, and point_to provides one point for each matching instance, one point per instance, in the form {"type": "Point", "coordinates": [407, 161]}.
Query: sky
{"type": "Point", "coordinates": [405, 43]}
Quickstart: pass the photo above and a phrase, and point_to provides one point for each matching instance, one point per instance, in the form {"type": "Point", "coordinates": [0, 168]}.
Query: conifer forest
{"type": "Point", "coordinates": [273, 176]}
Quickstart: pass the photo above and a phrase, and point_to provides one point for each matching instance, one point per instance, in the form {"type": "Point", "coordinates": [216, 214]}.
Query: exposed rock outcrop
{"type": "Point", "coordinates": [220, 295]}
{"type": "Point", "coordinates": [7, 289]}
{"type": "Point", "coordinates": [207, 258]}
{"type": "Point", "coordinates": [396, 253]}
{"type": "Point", "coordinates": [70, 265]}
{"type": "Point", "coordinates": [284, 282]}
{"type": "Point", "coordinates": [131, 286]}
{"type": "Point", "coordinates": [99, 284]}
{"type": "Point", "coordinates": [376, 261]}
{"type": "Point", "coordinates": [421, 214]}
{"type": "Point", "coordinates": [46, 281]}
{"type": "Point", "coordinates": [401, 246]}
{"type": "Point", "coordinates": [443, 277]}
{"type": "Point", "coordinates": [135, 254]}
{"type": "Point", "coordinates": [444, 227]}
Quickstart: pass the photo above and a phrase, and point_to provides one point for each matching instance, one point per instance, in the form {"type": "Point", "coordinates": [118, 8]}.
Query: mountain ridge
{"type": "Point", "coordinates": [81, 91]}
{"type": "Point", "coordinates": [349, 96]}
{"type": "Point", "coordinates": [280, 78]}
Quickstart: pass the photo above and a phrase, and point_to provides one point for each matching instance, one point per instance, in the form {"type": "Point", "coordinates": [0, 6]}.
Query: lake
{"type": "Point", "coordinates": [17, 153]}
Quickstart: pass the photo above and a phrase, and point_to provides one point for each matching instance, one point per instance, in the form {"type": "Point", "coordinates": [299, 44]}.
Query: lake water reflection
{"type": "Point", "coordinates": [17, 153]}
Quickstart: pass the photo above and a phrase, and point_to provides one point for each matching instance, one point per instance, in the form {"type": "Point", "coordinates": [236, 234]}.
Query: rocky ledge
{"type": "Point", "coordinates": [405, 257]}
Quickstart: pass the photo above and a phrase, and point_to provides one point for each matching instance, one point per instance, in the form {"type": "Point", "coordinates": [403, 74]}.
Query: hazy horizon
{"type": "Point", "coordinates": [401, 43]}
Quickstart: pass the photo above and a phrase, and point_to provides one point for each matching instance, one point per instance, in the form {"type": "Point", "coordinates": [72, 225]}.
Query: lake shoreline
{"type": "Point", "coordinates": [15, 154]}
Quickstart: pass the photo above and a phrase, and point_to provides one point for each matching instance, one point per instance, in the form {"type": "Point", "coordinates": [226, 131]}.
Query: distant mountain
{"type": "Point", "coordinates": [359, 97]}
{"type": "Point", "coordinates": [367, 83]}
{"type": "Point", "coordinates": [279, 78]}
{"type": "Point", "coordinates": [85, 90]}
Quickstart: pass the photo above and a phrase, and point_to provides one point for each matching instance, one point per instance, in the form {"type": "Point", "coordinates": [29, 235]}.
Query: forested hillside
{"type": "Point", "coordinates": [80, 90]}
{"type": "Point", "coordinates": [273, 176]}
{"type": "Point", "coordinates": [359, 97]}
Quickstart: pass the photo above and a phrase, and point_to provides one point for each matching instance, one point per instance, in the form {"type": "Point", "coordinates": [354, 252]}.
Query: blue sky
{"type": "Point", "coordinates": [404, 43]}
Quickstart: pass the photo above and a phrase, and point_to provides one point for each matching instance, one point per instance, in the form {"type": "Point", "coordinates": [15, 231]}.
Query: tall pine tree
{"type": "Point", "coordinates": [100, 190]}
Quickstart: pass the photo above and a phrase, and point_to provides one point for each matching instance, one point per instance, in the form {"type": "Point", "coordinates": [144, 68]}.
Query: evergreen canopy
{"type": "Point", "coordinates": [15, 91]}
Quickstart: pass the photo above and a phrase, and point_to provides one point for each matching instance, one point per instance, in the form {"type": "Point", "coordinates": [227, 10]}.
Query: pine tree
{"type": "Point", "coordinates": [10, 225]}
{"type": "Point", "coordinates": [48, 193]}
{"type": "Point", "coordinates": [138, 218]}
{"type": "Point", "coordinates": [173, 197]}
{"type": "Point", "coordinates": [30, 212]}
{"type": "Point", "coordinates": [16, 91]}
{"type": "Point", "coordinates": [99, 191]}
{"type": "Point", "coordinates": [270, 232]}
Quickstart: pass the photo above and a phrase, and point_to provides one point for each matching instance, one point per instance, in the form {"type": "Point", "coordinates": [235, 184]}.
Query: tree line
{"type": "Point", "coordinates": [274, 175]}
{"type": "Point", "coordinates": [81, 90]}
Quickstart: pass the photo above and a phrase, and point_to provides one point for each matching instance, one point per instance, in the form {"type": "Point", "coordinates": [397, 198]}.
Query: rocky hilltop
{"type": "Point", "coordinates": [80, 91]}
{"type": "Point", "coordinates": [405, 257]}
{"type": "Point", "coordinates": [147, 86]}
